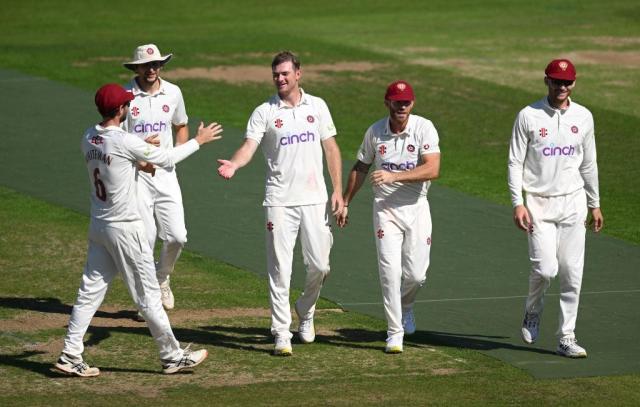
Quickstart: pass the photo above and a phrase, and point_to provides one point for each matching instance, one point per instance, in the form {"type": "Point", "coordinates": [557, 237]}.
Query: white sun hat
{"type": "Point", "coordinates": [146, 53]}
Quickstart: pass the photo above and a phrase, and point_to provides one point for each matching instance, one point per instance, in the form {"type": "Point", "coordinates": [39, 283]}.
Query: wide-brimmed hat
{"type": "Point", "coordinates": [145, 54]}
{"type": "Point", "coordinates": [110, 97]}
{"type": "Point", "coordinates": [399, 90]}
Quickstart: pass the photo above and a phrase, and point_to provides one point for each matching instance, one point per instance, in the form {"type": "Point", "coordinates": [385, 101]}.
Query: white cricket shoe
{"type": "Point", "coordinates": [75, 367]}
{"type": "Point", "coordinates": [306, 328]}
{"type": "Point", "coordinates": [189, 360]}
{"type": "Point", "coordinates": [166, 295]}
{"type": "Point", "coordinates": [282, 347]}
{"type": "Point", "coordinates": [394, 344]}
{"type": "Point", "coordinates": [530, 327]}
{"type": "Point", "coordinates": [569, 347]}
{"type": "Point", "coordinates": [408, 322]}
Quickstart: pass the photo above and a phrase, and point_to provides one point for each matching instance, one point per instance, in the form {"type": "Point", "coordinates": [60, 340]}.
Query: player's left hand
{"type": "Point", "coordinates": [337, 203]}
{"type": "Point", "coordinates": [153, 139]}
{"type": "Point", "coordinates": [597, 220]}
{"type": "Point", "coordinates": [380, 177]}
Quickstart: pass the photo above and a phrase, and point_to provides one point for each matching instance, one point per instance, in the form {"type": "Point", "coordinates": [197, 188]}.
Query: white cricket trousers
{"type": "Point", "coordinates": [282, 225]}
{"type": "Point", "coordinates": [120, 247]}
{"type": "Point", "coordinates": [403, 241]}
{"type": "Point", "coordinates": [556, 247]}
{"type": "Point", "coordinates": [163, 215]}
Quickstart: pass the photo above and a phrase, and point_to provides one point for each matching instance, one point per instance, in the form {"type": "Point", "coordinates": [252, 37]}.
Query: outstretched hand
{"type": "Point", "coordinates": [226, 169]}
{"type": "Point", "coordinates": [207, 134]}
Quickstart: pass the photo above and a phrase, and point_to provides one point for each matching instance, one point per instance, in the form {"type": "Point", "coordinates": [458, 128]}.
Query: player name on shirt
{"type": "Point", "coordinates": [97, 155]}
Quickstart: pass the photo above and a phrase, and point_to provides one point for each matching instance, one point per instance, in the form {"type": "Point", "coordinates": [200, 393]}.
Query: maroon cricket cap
{"type": "Point", "coordinates": [561, 69]}
{"type": "Point", "coordinates": [110, 97]}
{"type": "Point", "coordinates": [399, 90]}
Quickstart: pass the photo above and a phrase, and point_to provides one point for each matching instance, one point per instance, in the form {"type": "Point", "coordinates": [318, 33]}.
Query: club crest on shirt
{"type": "Point", "coordinates": [428, 240]}
{"type": "Point", "coordinates": [426, 147]}
{"type": "Point", "coordinates": [380, 233]}
{"type": "Point", "coordinates": [269, 226]}
{"type": "Point", "coordinates": [278, 123]}
{"type": "Point", "coordinates": [574, 129]}
{"type": "Point", "coordinates": [135, 111]}
{"type": "Point", "coordinates": [542, 132]}
{"type": "Point", "coordinates": [165, 108]}
{"type": "Point", "coordinates": [382, 149]}
{"type": "Point", "coordinates": [310, 119]}
{"type": "Point", "coordinates": [96, 140]}
{"type": "Point", "coordinates": [411, 148]}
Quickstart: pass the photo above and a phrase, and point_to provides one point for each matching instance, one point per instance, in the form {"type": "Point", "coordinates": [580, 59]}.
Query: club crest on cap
{"type": "Point", "coordinates": [563, 65]}
{"type": "Point", "coordinates": [401, 86]}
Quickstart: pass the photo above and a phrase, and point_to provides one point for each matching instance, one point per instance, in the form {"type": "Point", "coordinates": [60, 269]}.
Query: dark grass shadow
{"type": "Point", "coordinates": [22, 361]}
{"type": "Point", "coordinates": [55, 306]}
{"type": "Point", "coordinates": [255, 339]}
{"type": "Point", "coordinates": [468, 341]}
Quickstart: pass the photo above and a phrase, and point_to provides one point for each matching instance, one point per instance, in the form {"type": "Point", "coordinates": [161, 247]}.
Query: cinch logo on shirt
{"type": "Point", "coordinates": [408, 165]}
{"type": "Point", "coordinates": [553, 150]}
{"type": "Point", "coordinates": [149, 127]}
{"type": "Point", "coordinates": [297, 138]}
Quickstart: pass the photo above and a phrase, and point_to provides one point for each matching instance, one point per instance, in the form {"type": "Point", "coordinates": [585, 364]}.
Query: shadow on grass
{"type": "Point", "coordinates": [55, 306]}
{"type": "Point", "coordinates": [257, 339]}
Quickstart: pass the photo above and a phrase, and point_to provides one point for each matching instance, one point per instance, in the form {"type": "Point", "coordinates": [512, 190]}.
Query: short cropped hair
{"type": "Point", "coordinates": [285, 56]}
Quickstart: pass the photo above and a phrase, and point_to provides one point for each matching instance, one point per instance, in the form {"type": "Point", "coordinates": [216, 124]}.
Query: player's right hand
{"type": "Point", "coordinates": [521, 218]}
{"type": "Point", "coordinates": [207, 134]}
{"type": "Point", "coordinates": [226, 169]}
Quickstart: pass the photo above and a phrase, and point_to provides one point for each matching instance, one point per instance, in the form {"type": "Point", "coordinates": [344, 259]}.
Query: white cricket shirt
{"type": "Point", "coordinates": [111, 154]}
{"type": "Point", "coordinates": [290, 138]}
{"type": "Point", "coordinates": [155, 114]}
{"type": "Point", "coordinates": [553, 152]}
{"type": "Point", "coordinates": [399, 152]}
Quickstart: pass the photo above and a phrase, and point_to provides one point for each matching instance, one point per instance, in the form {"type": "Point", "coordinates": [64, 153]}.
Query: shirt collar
{"type": "Point", "coordinates": [101, 129]}
{"type": "Point", "coordinates": [547, 106]}
{"type": "Point", "coordinates": [304, 100]}
{"type": "Point", "coordinates": [407, 130]}
{"type": "Point", "coordinates": [136, 90]}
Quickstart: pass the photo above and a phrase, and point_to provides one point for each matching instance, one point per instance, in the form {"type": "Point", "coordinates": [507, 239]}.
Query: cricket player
{"type": "Point", "coordinates": [403, 148]}
{"type": "Point", "coordinates": [158, 110]}
{"type": "Point", "coordinates": [293, 128]}
{"type": "Point", "coordinates": [552, 157]}
{"type": "Point", "coordinates": [117, 240]}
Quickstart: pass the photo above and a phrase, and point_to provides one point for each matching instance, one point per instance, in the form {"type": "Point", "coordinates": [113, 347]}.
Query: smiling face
{"type": "Point", "coordinates": [148, 73]}
{"type": "Point", "coordinates": [559, 91]}
{"type": "Point", "coordinates": [285, 78]}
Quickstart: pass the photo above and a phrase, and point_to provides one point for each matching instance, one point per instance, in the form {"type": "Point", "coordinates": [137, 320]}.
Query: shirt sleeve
{"type": "Point", "coordinates": [430, 142]}
{"type": "Point", "coordinates": [327, 128]}
{"type": "Point", "coordinates": [180, 113]}
{"type": "Point", "coordinates": [367, 151]}
{"type": "Point", "coordinates": [589, 168]}
{"type": "Point", "coordinates": [142, 151]}
{"type": "Point", "coordinates": [257, 125]}
{"type": "Point", "coordinates": [517, 155]}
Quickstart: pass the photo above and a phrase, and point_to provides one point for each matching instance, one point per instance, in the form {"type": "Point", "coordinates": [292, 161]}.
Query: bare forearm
{"type": "Point", "coordinates": [356, 179]}
{"type": "Point", "coordinates": [182, 134]}
{"type": "Point", "coordinates": [423, 172]}
{"type": "Point", "coordinates": [334, 164]}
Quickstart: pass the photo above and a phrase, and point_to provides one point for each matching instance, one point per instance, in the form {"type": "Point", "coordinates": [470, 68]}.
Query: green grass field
{"type": "Point", "coordinates": [473, 65]}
